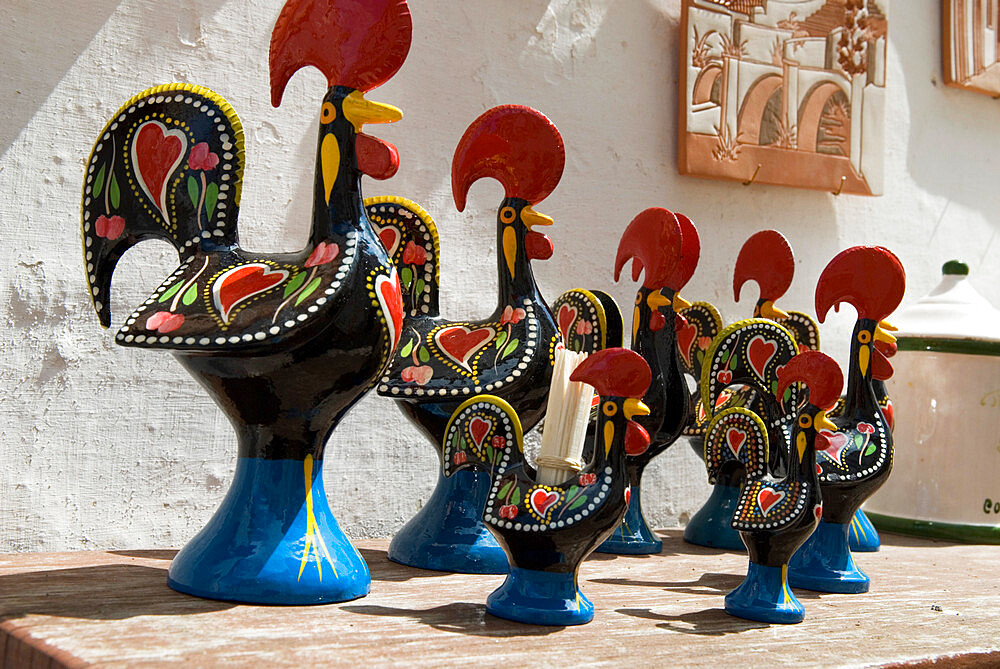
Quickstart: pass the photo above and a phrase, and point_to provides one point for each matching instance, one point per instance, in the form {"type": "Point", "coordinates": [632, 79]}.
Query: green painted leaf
{"type": "Point", "coordinates": [580, 501]}
{"type": "Point", "coordinates": [211, 197]}
{"type": "Point", "coordinates": [406, 276]}
{"type": "Point", "coordinates": [407, 349]}
{"type": "Point", "coordinates": [858, 440]}
{"type": "Point", "coordinates": [774, 386]}
{"type": "Point", "coordinates": [700, 356]}
{"type": "Point", "coordinates": [489, 453]}
{"type": "Point", "coordinates": [511, 347]}
{"type": "Point", "coordinates": [190, 295]}
{"type": "Point", "coordinates": [788, 394]}
{"type": "Point", "coordinates": [515, 498]}
{"type": "Point", "coordinates": [170, 292]}
{"type": "Point", "coordinates": [114, 191]}
{"type": "Point", "coordinates": [293, 284]}
{"type": "Point", "coordinates": [504, 490]}
{"type": "Point", "coordinates": [870, 449]}
{"type": "Point", "coordinates": [423, 354]}
{"type": "Point", "coordinates": [501, 338]}
{"type": "Point", "coordinates": [455, 440]}
{"type": "Point", "coordinates": [421, 284]}
{"type": "Point", "coordinates": [732, 363]}
{"type": "Point", "coordinates": [308, 290]}
{"type": "Point", "coordinates": [99, 182]}
{"type": "Point", "coordinates": [573, 489]}
{"type": "Point", "coordinates": [193, 191]}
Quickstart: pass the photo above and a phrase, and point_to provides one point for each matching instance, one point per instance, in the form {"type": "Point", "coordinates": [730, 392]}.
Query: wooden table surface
{"type": "Point", "coordinates": [928, 600]}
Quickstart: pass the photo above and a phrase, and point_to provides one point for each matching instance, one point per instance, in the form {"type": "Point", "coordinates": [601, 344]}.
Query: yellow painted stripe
{"type": "Point", "coordinates": [510, 248]}
{"type": "Point", "coordinates": [330, 159]}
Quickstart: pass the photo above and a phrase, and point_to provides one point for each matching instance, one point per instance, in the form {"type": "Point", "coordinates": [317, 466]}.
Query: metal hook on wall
{"type": "Point", "coordinates": [840, 190]}
{"type": "Point", "coordinates": [752, 176]}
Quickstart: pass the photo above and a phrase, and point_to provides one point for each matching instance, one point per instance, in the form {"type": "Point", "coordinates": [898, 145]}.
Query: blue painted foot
{"type": "Point", "coordinates": [448, 533]}
{"type": "Point", "coordinates": [863, 535]}
{"type": "Point", "coordinates": [633, 536]}
{"type": "Point", "coordinates": [540, 598]}
{"type": "Point", "coordinates": [273, 540]}
{"type": "Point", "coordinates": [710, 526]}
{"type": "Point", "coordinates": [824, 562]}
{"type": "Point", "coordinates": [765, 596]}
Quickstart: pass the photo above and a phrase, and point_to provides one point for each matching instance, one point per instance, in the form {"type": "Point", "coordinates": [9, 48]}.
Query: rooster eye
{"type": "Point", "coordinates": [610, 408]}
{"type": "Point", "coordinates": [507, 214]}
{"type": "Point", "coordinates": [328, 114]}
{"type": "Point", "coordinates": [805, 420]}
{"type": "Point", "coordinates": [864, 336]}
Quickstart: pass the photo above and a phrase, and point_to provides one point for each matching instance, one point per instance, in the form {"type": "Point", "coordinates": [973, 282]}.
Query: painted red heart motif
{"type": "Point", "coordinates": [831, 444]}
{"type": "Point", "coordinates": [685, 337]}
{"type": "Point", "coordinates": [735, 439]}
{"type": "Point", "coordinates": [567, 315]}
{"type": "Point", "coordinates": [240, 283]}
{"type": "Point", "coordinates": [759, 353]}
{"type": "Point", "coordinates": [724, 377]}
{"type": "Point", "coordinates": [460, 343]}
{"type": "Point", "coordinates": [390, 237]}
{"type": "Point", "coordinates": [390, 298]}
{"type": "Point", "coordinates": [479, 428]}
{"type": "Point", "coordinates": [543, 500]}
{"type": "Point", "coordinates": [628, 495]}
{"type": "Point", "coordinates": [156, 154]}
{"type": "Point", "coordinates": [767, 498]}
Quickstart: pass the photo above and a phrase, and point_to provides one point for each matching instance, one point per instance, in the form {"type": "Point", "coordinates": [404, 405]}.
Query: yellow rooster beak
{"type": "Point", "coordinates": [634, 407]}
{"type": "Point", "coordinates": [680, 302]}
{"type": "Point", "coordinates": [531, 218]}
{"type": "Point", "coordinates": [359, 111]}
{"type": "Point", "coordinates": [768, 310]}
{"type": "Point", "coordinates": [824, 423]}
{"type": "Point", "coordinates": [656, 299]}
{"type": "Point", "coordinates": [882, 335]}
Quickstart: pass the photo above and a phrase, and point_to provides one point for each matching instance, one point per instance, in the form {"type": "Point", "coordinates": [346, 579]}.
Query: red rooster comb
{"type": "Point", "coordinates": [690, 254]}
{"type": "Point", "coordinates": [615, 372]}
{"type": "Point", "coordinates": [819, 372]}
{"type": "Point", "coordinates": [653, 241]}
{"type": "Point", "coordinates": [869, 277]}
{"type": "Point", "coordinates": [514, 144]}
{"type": "Point", "coordinates": [766, 257]}
{"type": "Point", "coordinates": [355, 43]}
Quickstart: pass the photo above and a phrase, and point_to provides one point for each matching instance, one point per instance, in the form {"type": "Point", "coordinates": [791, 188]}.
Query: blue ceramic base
{"type": "Point", "coordinates": [273, 540]}
{"type": "Point", "coordinates": [711, 525]}
{"type": "Point", "coordinates": [765, 596]}
{"type": "Point", "coordinates": [448, 533]}
{"type": "Point", "coordinates": [824, 562]}
{"type": "Point", "coordinates": [633, 536]}
{"type": "Point", "coordinates": [863, 535]}
{"type": "Point", "coordinates": [540, 598]}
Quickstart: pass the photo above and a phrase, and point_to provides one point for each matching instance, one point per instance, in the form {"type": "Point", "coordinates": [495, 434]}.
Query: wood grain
{"type": "Point", "coordinates": [929, 600]}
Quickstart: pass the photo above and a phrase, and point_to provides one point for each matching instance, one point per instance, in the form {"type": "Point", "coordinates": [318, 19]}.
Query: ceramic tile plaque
{"type": "Point", "coordinates": [972, 45]}
{"type": "Point", "coordinates": [787, 92]}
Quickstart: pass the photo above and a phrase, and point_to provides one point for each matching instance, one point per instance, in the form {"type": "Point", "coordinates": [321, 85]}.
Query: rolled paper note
{"type": "Point", "coordinates": [566, 417]}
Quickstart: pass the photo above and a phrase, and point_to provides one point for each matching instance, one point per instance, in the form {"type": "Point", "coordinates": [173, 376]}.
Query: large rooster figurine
{"type": "Point", "coordinates": [441, 362]}
{"type": "Point", "coordinates": [776, 511]}
{"type": "Point", "coordinates": [285, 343]}
{"type": "Point", "coordinates": [856, 458]}
{"type": "Point", "coordinates": [666, 251]}
{"type": "Point", "coordinates": [548, 530]}
{"type": "Point", "coordinates": [767, 259]}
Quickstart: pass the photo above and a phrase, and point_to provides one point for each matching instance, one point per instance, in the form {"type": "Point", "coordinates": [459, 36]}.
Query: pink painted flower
{"type": "Point", "coordinates": [418, 374]}
{"type": "Point", "coordinates": [201, 158]}
{"type": "Point", "coordinates": [164, 321]}
{"type": "Point", "coordinates": [588, 479]}
{"type": "Point", "coordinates": [512, 315]}
{"type": "Point", "coordinates": [414, 254]}
{"type": "Point", "coordinates": [459, 458]}
{"type": "Point", "coordinates": [499, 442]}
{"type": "Point", "coordinates": [508, 511]}
{"type": "Point", "coordinates": [584, 327]}
{"type": "Point", "coordinates": [704, 343]}
{"type": "Point", "coordinates": [109, 228]}
{"type": "Point", "coordinates": [322, 254]}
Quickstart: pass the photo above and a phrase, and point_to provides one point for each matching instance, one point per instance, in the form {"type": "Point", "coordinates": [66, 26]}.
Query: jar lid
{"type": "Point", "coordinates": [953, 312]}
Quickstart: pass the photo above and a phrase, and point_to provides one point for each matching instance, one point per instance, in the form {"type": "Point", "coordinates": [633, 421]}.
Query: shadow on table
{"type": "Point", "coordinates": [103, 592]}
{"type": "Point", "coordinates": [709, 583]}
{"type": "Point", "coordinates": [384, 569]}
{"type": "Point", "coordinates": [459, 617]}
{"type": "Point", "coordinates": [164, 554]}
{"type": "Point", "coordinates": [708, 622]}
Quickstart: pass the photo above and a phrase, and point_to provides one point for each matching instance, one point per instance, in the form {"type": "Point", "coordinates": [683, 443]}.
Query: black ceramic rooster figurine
{"type": "Point", "coordinates": [856, 458]}
{"type": "Point", "coordinates": [440, 362]}
{"type": "Point", "coordinates": [284, 343]}
{"type": "Point", "coordinates": [776, 511]}
{"type": "Point", "coordinates": [547, 530]}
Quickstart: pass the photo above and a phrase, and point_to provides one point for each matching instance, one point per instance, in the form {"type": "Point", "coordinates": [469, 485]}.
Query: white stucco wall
{"type": "Point", "coordinates": [105, 447]}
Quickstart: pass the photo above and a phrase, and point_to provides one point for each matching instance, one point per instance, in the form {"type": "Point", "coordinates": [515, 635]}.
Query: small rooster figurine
{"type": "Point", "coordinates": [856, 458]}
{"type": "Point", "coordinates": [440, 362]}
{"type": "Point", "coordinates": [667, 251]}
{"type": "Point", "coordinates": [547, 531]}
{"type": "Point", "coordinates": [285, 344]}
{"type": "Point", "coordinates": [767, 259]}
{"type": "Point", "coordinates": [776, 511]}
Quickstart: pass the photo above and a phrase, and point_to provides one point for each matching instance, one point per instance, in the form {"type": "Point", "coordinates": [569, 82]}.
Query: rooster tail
{"type": "Point", "coordinates": [736, 439]}
{"type": "Point", "coordinates": [700, 325]}
{"type": "Point", "coordinates": [588, 320]}
{"type": "Point", "coordinates": [168, 165]}
{"type": "Point", "coordinates": [483, 432]}
{"type": "Point", "coordinates": [411, 239]}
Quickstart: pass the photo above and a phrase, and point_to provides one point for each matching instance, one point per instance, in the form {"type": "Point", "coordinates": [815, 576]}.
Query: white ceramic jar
{"type": "Point", "coordinates": [946, 400]}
